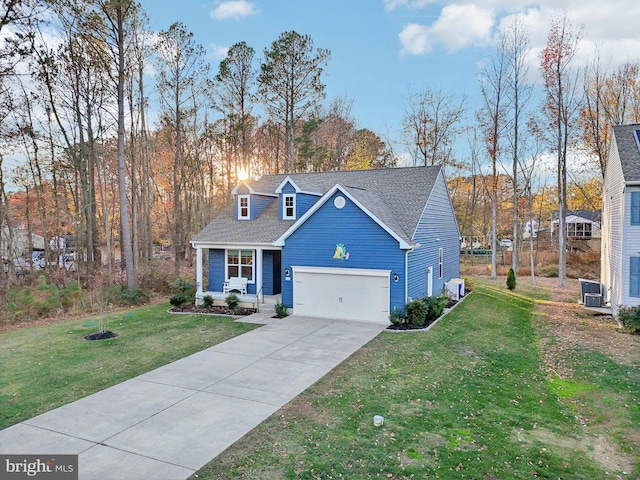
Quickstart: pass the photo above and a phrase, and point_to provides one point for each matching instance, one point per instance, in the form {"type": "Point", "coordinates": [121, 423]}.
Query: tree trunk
{"type": "Point", "coordinates": [126, 246]}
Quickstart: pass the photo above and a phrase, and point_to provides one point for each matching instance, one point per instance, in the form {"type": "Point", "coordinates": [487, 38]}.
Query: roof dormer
{"type": "Point", "coordinates": [293, 200]}
{"type": "Point", "coordinates": [249, 203]}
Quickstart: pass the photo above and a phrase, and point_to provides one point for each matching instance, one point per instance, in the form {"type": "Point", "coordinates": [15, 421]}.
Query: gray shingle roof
{"type": "Point", "coordinates": [396, 196]}
{"type": "Point", "coordinates": [628, 150]}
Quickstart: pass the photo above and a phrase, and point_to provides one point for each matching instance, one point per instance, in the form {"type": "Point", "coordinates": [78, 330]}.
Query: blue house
{"type": "Point", "coordinates": [352, 244]}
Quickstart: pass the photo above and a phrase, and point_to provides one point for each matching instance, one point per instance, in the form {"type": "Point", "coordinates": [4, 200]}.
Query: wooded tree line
{"type": "Point", "coordinates": [76, 107]}
{"type": "Point", "coordinates": [95, 146]}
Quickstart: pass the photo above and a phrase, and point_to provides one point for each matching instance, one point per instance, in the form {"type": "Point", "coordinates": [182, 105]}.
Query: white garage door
{"type": "Point", "coordinates": [349, 293]}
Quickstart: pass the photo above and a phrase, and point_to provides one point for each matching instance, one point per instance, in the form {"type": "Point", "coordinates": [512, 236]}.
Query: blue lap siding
{"type": "Point", "coordinates": [369, 246]}
{"type": "Point", "coordinates": [216, 270]}
{"type": "Point", "coordinates": [437, 229]}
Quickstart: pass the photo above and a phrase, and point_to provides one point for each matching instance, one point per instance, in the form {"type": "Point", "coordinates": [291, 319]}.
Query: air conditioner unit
{"type": "Point", "coordinates": [592, 300]}
{"type": "Point", "coordinates": [455, 288]}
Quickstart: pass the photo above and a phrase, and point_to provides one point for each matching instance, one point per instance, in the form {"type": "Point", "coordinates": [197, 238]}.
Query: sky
{"type": "Point", "coordinates": [381, 50]}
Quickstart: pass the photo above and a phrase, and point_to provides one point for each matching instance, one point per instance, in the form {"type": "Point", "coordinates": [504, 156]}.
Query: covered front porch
{"type": "Point", "coordinates": [259, 264]}
{"type": "Point", "coordinates": [249, 300]}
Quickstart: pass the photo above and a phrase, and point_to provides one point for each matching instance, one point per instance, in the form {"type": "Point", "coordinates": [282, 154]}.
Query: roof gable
{"type": "Point", "coordinates": [289, 181]}
{"type": "Point", "coordinates": [349, 193]}
{"type": "Point", "coordinates": [627, 141]}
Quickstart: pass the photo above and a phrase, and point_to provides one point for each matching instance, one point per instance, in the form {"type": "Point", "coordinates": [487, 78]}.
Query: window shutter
{"type": "Point", "coordinates": [634, 277]}
{"type": "Point", "coordinates": [635, 208]}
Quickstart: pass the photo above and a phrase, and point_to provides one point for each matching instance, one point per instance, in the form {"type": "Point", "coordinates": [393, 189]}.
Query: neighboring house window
{"type": "Point", "coordinates": [440, 263]}
{"type": "Point", "coordinates": [243, 206]}
{"type": "Point", "coordinates": [579, 230]}
{"type": "Point", "coordinates": [289, 207]}
{"type": "Point", "coordinates": [240, 264]}
{"type": "Point", "coordinates": [635, 208]}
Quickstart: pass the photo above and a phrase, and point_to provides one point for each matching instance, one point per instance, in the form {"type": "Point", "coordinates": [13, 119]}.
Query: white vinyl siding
{"type": "Point", "coordinates": [614, 224]}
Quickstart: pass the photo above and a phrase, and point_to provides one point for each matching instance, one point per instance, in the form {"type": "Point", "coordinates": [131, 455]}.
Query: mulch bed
{"type": "Point", "coordinates": [101, 335]}
{"type": "Point", "coordinates": [409, 326]}
{"type": "Point", "coordinates": [212, 310]}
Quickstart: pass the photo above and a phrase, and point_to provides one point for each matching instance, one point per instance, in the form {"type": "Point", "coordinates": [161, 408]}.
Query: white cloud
{"type": "Point", "coordinates": [234, 9]}
{"type": "Point", "coordinates": [415, 39]}
{"type": "Point", "coordinates": [217, 51]}
{"type": "Point", "coordinates": [457, 27]}
{"type": "Point", "coordinates": [612, 26]}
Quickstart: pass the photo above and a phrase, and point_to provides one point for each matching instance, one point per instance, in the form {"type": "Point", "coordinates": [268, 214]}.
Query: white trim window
{"type": "Point", "coordinates": [239, 263]}
{"type": "Point", "coordinates": [289, 207]}
{"type": "Point", "coordinates": [440, 263]}
{"type": "Point", "coordinates": [244, 207]}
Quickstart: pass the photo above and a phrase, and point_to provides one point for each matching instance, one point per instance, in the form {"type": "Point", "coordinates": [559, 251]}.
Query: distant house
{"type": "Point", "coordinates": [620, 253]}
{"type": "Point", "coordinates": [352, 245]}
{"type": "Point", "coordinates": [580, 224]}
{"type": "Point", "coordinates": [530, 228]}
{"type": "Point", "coordinates": [18, 242]}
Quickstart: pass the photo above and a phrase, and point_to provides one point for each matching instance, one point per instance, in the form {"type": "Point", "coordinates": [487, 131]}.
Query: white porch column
{"type": "Point", "coordinates": [199, 292]}
{"type": "Point", "coordinates": [258, 270]}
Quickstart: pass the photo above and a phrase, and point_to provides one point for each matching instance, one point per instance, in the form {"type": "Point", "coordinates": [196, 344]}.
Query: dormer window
{"type": "Point", "coordinates": [243, 207]}
{"type": "Point", "coordinates": [288, 207]}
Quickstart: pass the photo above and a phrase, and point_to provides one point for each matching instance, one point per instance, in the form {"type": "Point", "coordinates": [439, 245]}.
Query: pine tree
{"type": "Point", "coordinates": [511, 280]}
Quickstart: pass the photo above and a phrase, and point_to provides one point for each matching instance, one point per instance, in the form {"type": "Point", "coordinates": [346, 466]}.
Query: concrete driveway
{"type": "Point", "coordinates": [168, 423]}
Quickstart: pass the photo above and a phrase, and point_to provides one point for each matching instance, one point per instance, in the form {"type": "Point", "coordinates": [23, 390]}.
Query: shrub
{"type": "Point", "coordinates": [178, 300]}
{"type": "Point", "coordinates": [416, 312]}
{"type": "Point", "coordinates": [207, 301]}
{"type": "Point", "coordinates": [72, 295]}
{"type": "Point", "coordinates": [188, 289]}
{"type": "Point", "coordinates": [125, 297]}
{"type": "Point", "coordinates": [511, 279]}
{"type": "Point", "coordinates": [435, 306]}
{"type": "Point", "coordinates": [281, 309]}
{"type": "Point", "coordinates": [469, 284]}
{"type": "Point", "coordinates": [629, 318]}
{"type": "Point", "coordinates": [41, 300]}
{"type": "Point", "coordinates": [397, 316]}
{"type": "Point", "coordinates": [550, 271]}
{"type": "Point", "coordinates": [232, 301]}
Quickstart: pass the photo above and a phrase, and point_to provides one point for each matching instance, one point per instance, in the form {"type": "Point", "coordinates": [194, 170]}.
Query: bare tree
{"type": "Point", "coordinates": [608, 100]}
{"type": "Point", "coordinates": [491, 117]}
{"type": "Point", "coordinates": [560, 108]}
{"type": "Point", "coordinates": [430, 125]}
{"type": "Point", "coordinates": [518, 93]}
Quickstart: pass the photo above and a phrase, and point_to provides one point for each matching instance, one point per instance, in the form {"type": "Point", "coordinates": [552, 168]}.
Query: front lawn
{"type": "Point", "coordinates": [472, 398]}
{"type": "Point", "coordinates": [44, 367]}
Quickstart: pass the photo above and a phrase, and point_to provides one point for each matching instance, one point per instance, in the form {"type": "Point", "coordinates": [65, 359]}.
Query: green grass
{"type": "Point", "coordinates": [47, 366]}
{"type": "Point", "coordinates": [468, 399]}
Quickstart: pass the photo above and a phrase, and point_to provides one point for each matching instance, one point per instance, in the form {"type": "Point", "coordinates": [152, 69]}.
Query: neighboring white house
{"type": "Point", "coordinates": [530, 228]}
{"type": "Point", "coordinates": [620, 252]}
{"type": "Point", "coordinates": [16, 243]}
{"type": "Point", "coordinates": [581, 224]}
